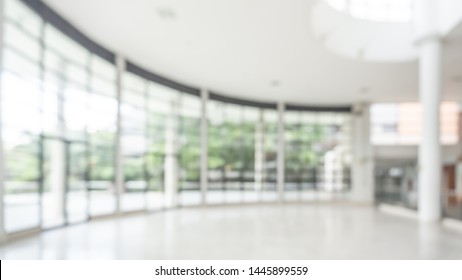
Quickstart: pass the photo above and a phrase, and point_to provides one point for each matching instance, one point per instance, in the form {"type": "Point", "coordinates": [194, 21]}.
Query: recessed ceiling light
{"type": "Point", "coordinates": [166, 13]}
{"type": "Point", "coordinates": [361, 53]}
{"type": "Point", "coordinates": [275, 83]}
{"type": "Point", "coordinates": [364, 90]}
{"type": "Point", "coordinates": [323, 37]}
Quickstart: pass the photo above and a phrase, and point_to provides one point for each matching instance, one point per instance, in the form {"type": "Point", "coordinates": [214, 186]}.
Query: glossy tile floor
{"type": "Point", "coordinates": [290, 231]}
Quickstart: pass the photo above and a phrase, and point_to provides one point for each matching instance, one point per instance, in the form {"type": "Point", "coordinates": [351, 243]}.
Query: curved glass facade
{"type": "Point", "coordinates": [231, 152]}
{"type": "Point", "coordinates": [70, 114]}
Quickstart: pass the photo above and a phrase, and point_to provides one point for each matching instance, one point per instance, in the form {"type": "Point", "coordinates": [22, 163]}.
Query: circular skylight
{"type": "Point", "coordinates": [375, 10]}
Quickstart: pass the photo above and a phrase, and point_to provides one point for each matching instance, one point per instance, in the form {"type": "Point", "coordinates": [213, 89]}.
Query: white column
{"type": "Point", "coordinates": [204, 146]}
{"type": "Point", "coordinates": [429, 44]}
{"type": "Point", "coordinates": [2, 166]}
{"type": "Point", "coordinates": [363, 161]}
{"type": "Point", "coordinates": [57, 197]}
{"type": "Point", "coordinates": [281, 152]}
{"type": "Point", "coordinates": [430, 150]}
{"type": "Point", "coordinates": [57, 194]}
{"type": "Point", "coordinates": [119, 174]}
{"type": "Point", "coordinates": [171, 160]}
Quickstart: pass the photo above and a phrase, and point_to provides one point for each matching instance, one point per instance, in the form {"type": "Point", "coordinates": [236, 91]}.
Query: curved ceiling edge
{"type": "Point", "coordinates": [134, 69]}
{"type": "Point", "coordinates": [53, 18]}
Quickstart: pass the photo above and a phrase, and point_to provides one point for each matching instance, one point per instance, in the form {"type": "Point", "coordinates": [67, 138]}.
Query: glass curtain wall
{"type": "Point", "coordinates": [317, 154]}
{"type": "Point", "coordinates": [251, 120]}
{"type": "Point", "coordinates": [65, 141]}
{"type": "Point", "coordinates": [231, 152]}
{"type": "Point", "coordinates": [101, 133]}
{"type": "Point", "coordinates": [217, 155]}
{"type": "Point", "coordinates": [161, 101]}
{"type": "Point", "coordinates": [134, 142]}
{"type": "Point", "coordinates": [59, 112]}
{"type": "Point", "coordinates": [22, 93]}
{"type": "Point", "coordinates": [269, 157]}
{"type": "Point", "coordinates": [189, 149]}
{"type": "Point", "coordinates": [149, 113]}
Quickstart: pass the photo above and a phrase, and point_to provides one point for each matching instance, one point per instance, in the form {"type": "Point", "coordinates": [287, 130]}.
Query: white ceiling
{"type": "Point", "coordinates": [241, 47]}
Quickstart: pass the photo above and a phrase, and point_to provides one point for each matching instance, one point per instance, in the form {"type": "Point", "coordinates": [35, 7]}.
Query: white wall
{"type": "Point", "coordinates": [449, 153]}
